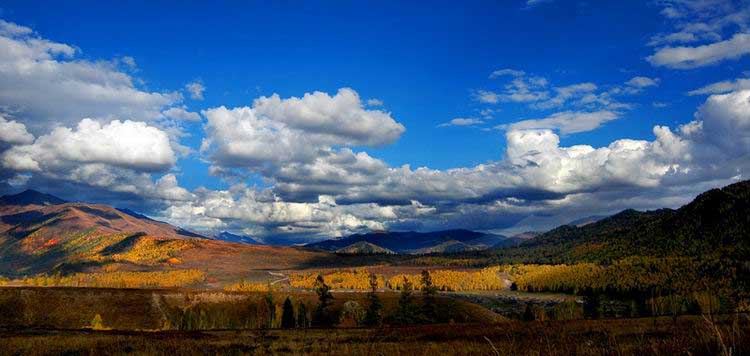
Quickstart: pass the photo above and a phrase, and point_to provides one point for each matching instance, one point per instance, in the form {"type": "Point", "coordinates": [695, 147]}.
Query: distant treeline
{"type": "Point", "coordinates": [646, 285]}
{"type": "Point", "coordinates": [632, 286]}
{"type": "Point", "coordinates": [444, 280]}
{"type": "Point", "coordinates": [121, 279]}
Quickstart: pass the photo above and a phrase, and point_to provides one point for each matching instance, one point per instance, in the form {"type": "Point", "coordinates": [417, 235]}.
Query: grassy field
{"type": "Point", "coordinates": [662, 336]}
{"type": "Point", "coordinates": [61, 315]}
{"type": "Point", "coordinates": [171, 309]}
{"type": "Point", "coordinates": [57, 320]}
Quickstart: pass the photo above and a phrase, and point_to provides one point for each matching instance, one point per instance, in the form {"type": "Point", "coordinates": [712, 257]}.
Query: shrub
{"type": "Point", "coordinates": [352, 314]}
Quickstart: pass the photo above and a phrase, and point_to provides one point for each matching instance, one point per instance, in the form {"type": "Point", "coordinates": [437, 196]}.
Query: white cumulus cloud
{"type": "Point", "coordinates": [684, 57]}
{"type": "Point", "coordinates": [195, 89]}
{"type": "Point", "coordinates": [129, 144]}
{"type": "Point", "coordinates": [722, 87]}
{"type": "Point", "coordinates": [566, 122]}
{"type": "Point", "coordinates": [538, 181]}
{"type": "Point", "coordinates": [277, 131]}
{"type": "Point", "coordinates": [45, 84]}
{"type": "Point", "coordinates": [460, 121]}
{"type": "Point", "coordinates": [12, 132]}
{"type": "Point", "coordinates": [181, 113]}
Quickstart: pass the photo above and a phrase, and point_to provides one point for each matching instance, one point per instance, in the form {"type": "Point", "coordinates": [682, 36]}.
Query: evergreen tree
{"type": "Point", "coordinates": [302, 321]}
{"type": "Point", "coordinates": [287, 315]}
{"type": "Point", "coordinates": [429, 309]}
{"type": "Point", "coordinates": [373, 316]}
{"type": "Point", "coordinates": [323, 315]}
{"type": "Point", "coordinates": [528, 314]}
{"type": "Point", "coordinates": [406, 312]}
{"type": "Point", "coordinates": [591, 304]}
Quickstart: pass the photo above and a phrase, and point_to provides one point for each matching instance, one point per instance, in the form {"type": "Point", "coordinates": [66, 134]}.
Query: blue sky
{"type": "Point", "coordinates": [427, 65]}
{"type": "Point", "coordinates": [422, 62]}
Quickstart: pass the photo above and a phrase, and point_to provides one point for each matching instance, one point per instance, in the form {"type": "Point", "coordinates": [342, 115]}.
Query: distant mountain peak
{"type": "Point", "coordinates": [31, 197]}
{"type": "Point", "coordinates": [230, 237]}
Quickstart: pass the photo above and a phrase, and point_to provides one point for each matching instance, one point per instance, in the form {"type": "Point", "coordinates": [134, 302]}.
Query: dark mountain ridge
{"type": "Point", "coordinates": [30, 197]}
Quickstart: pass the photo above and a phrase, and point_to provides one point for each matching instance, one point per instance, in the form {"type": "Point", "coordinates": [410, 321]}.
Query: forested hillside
{"type": "Point", "coordinates": [716, 225]}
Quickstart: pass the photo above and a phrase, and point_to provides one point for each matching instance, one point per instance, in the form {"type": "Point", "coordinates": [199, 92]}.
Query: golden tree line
{"type": "Point", "coordinates": [657, 275]}
{"type": "Point", "coordinates": [158, 279]}
{"type": "Point", "coordinates": [246, 286]}
{"type": "Point", "coordinates": [446, 280]}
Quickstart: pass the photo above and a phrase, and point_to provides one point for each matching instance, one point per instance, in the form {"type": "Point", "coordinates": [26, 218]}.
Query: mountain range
{"type": "Point", "coordinates": [40, 233]}
{"type": "Point", "coordinates": [230, 237]}
{"type": "Point", "coordinates": [411, 242]}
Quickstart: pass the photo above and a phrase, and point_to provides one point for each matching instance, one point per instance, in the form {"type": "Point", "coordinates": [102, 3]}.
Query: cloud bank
{"type": "Point", "coordinates": [301, 167]}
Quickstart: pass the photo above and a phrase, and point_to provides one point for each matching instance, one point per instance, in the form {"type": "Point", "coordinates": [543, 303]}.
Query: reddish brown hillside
{"type": "Point", "coordinates": [67, 218]}
{"type": "Point", "coordinates": [43, 234]}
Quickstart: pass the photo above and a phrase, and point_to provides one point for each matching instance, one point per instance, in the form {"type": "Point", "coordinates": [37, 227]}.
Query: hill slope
{"type": "Point", "coordinates": [40, 233]}
{"type": "Point", "coordinates": [715, 224]}
{"type": "Point", "coordinates": [56, 217]}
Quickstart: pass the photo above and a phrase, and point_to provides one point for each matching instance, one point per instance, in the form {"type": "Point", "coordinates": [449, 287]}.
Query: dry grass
{"type": "Point", "coordinates": [59, 321]}
{"type": "Point", "coordinates": [687, 335]}
{"type": "Point", "coordinates": [167, 309]}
